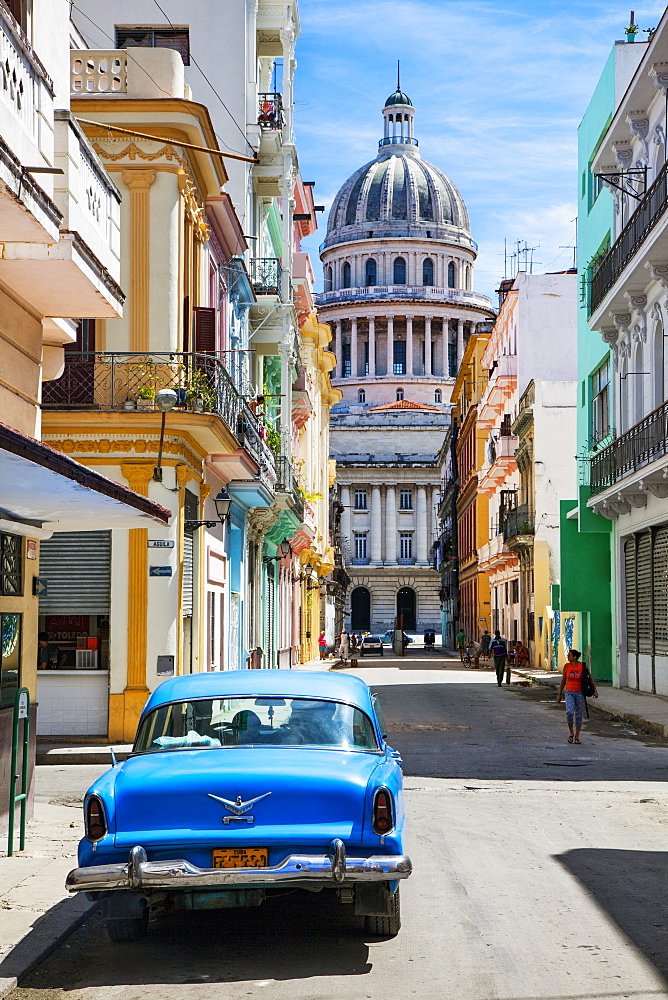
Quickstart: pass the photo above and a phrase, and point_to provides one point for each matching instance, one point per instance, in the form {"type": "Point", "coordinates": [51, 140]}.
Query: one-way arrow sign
{"type": "Point", "coordinates": [39, 586]}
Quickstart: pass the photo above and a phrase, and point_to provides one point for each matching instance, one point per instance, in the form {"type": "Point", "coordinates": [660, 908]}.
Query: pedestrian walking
{"type": "Point", "coordinates": [344, 645]}
{"type": "Point", "coordinates": [485, 641]}
{"type": "Point", "coordinates": [473, 654]}
{"type": "Point", "coordinates": [322, 646]}
{"type": "Point", "coordinates": [571, 680]}
{"type": "Point", "coordinates": [461, 643]}
{"type": "Point", "coordinates": [499, 651]}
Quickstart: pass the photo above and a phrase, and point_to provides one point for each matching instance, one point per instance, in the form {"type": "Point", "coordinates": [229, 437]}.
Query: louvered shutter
{"type": "Point", "coordinates": [205, 329]}
{"type": "Point", "coordinates": [191, 513]}
{"type": "Point", "coordinates": [660, 595]}
{"type": "Point", "coordinates": [644, 592]}
{"type": "Point", "coordinates": [77, 568]}
{"type": "Point", "coordinates": [269, 645]}
{"type": "Point", "coordinates": [631, 608]}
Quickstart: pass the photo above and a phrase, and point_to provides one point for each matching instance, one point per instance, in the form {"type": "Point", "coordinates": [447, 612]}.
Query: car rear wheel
{"type": "Point", "coordinates": [385, 926]}
{"type": "Point", "coordinates": [127, 929]}
{"type": "Point", "coordinates": [126, 919]}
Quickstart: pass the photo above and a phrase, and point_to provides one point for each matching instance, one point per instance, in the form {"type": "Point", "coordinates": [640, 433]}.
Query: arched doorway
{"type": "Point", "coordinates": [360, 609]}
{"type": "Point", "coordinates": [406, 607]}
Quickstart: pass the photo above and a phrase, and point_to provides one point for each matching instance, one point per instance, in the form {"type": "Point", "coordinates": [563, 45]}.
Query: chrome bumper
{"type": "Point", "coordinates": [139, 873]}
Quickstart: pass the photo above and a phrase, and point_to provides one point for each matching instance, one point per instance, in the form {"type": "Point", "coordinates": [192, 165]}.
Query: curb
{"type": "Point", "coordinates": [617, 713]}
{"type": "Point", "coordinates": [48, 932]}
{"type": "Point", "coordinates": [101, 756]}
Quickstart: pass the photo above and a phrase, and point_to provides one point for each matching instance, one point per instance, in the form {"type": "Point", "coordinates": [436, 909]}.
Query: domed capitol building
{"type": "Point", "coordinates": [398, 264]}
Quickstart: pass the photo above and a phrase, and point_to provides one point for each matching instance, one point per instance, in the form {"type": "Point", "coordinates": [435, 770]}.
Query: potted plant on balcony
{"type": "Point", "coordinates": [199, 394]}
{"type": "Point", "coordinates": [146, 397]}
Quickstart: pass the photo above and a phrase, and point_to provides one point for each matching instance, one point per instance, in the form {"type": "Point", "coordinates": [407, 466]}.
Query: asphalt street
{"type": "Point", "coordinates": [540, 871]}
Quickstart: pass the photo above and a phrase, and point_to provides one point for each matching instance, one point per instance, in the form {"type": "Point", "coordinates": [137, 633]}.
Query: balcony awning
{"type": "Point", "coordinates": [250, 492]}
{"type": "Point", "coordinates": [42, 491]}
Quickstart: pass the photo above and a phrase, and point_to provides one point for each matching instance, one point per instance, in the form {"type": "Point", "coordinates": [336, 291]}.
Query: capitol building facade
{"type": "Point", "coordinates": [398, 264]}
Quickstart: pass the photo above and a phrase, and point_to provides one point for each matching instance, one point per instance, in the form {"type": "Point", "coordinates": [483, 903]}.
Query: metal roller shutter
{"type": "Point", "coordinates": [644, 592]}
{"type": "Point", "coordinates": [660, 596]}
{"type": "Point", "coordinates": [631, 611]}
{"type": "Point", "coordinates": [77, 568]}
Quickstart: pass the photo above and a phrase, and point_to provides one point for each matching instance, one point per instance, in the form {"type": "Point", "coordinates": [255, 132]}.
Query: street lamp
{"type": "Point", "coordinates": [222, 503]}
{"type": "Point", "coordinates": [284, 549]}
{"type": "Point", "coordinates": [165, 400]}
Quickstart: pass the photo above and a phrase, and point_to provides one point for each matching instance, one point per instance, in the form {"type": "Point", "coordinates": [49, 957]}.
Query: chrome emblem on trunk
{"type": "Point", "coordinates": [238, 808]}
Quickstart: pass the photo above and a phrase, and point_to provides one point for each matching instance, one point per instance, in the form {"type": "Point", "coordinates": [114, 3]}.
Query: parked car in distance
{"type": "Point", "coordinates": [371, 644]}
{"type": "Point", "coordinates": [388, 638]}
{"type": "Point", "coordinates": [244, 784]}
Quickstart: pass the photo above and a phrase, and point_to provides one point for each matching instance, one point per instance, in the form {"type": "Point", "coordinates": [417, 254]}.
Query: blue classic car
{"type": "Point", "coordinates": [240, 784]}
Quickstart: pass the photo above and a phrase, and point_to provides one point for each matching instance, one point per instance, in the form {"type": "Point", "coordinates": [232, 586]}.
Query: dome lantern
{"type": "Point", "coordinates": [398, 114]}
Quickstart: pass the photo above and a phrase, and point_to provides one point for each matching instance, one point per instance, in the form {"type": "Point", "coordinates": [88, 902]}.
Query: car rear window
{"type": "Point", "coordinates": [230, 722]}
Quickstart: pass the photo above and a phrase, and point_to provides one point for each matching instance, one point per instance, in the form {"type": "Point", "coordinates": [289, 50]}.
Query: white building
{"type": "Point", "coordinates": [398, 263]}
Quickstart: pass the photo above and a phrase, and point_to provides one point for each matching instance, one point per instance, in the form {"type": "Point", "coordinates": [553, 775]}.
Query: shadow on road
{"type": "Point", "coordinates": [298, 936]}
{"type": "Point", "coordinates": [630, 886]}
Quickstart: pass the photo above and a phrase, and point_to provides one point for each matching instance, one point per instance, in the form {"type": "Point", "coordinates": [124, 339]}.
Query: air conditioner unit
{"type": "Point", "coordinates": [86, 659]}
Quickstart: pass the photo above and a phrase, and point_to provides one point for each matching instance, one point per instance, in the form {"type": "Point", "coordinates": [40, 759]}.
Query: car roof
{"type": "Point", "coordinates": [263, 683]}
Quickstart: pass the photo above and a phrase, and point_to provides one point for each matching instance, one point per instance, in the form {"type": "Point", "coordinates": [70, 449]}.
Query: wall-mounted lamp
{"type": "Point", "coordinates": [222, 503]}
{"type": "Point", "coordinates": [165, 400]}
{"type": "Point", "coordinates": [284, 549]}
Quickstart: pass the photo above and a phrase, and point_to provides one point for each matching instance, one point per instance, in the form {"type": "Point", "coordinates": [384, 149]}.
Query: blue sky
{"type": "Point", "coordinates": [499, 90]}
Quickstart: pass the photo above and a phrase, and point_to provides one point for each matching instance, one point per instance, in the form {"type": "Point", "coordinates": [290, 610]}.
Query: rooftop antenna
{"type": "Point", "coordinates": [398, 77]}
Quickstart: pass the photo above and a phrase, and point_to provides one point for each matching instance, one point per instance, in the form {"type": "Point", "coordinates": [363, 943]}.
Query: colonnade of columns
{"type": "Point", "coordinates": [434, 346]}
{"type": "Point", "coordinates": [383, 534]}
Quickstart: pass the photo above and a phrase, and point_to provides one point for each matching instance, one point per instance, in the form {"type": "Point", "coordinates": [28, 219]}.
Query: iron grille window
{"type": "Point", "coordinates": [360, 545]}
{"type": "Point", "coordinates": [406, 500]}
{"type": "Point", "coordinates": [360, 500]}
{"type": "Point", "coordinates": [600, 403]}
{"type": "Point", "coordinates": [406, 545]}
{"type": "Point", "coordinates": [11, 579]}
{"type": "Point", "coordinates": [399, 357]}
{"type": "Point", "coordinates": [177, 38]}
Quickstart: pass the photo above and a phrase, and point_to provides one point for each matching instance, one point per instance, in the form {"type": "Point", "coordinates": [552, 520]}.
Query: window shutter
{"type": "Point", "coordinates": [660, 595]}
{"type": "Point", "coordinates": [205, 329]}
{"type": "Point", "coordinates": [191, 513]}
{"type": "Point", "coordinates": [631, 610]}
{"type": "Point", "coordinates": [77, 566]}
{"type": "Point", "coordinates": [644, 592]}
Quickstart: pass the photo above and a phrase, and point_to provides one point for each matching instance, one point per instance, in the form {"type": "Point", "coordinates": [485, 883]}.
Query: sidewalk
{"type": "Point", "coordinates": [35, 911]}
{"type": "Point", "coordinates": [646, 711]}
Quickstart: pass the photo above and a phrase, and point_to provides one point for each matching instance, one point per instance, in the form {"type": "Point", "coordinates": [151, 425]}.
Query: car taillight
{"type": "Point", "coordinates": [382, 812]}
{"type": "Point", "coordinates": [96, 824]}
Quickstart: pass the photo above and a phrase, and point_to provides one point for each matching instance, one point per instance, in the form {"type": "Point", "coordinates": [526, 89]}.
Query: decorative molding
{"type": "Point", "coordinates": [638, 302]}
{"type": "Point", "coordinates": [659, 490]}
{"type": "Point", "coordinates": [111, 445]}
{"type": "Point", "coordinates": [636, 499]}
{"type": "Point", "coordinates": [623, 151]}
{"type": "Point", "coordinates": [659, 74]}
{"type": "Point", "coordinates": [638, 122]}
{"type": "Point", "coordinates": [138, 476]}
{"type": "Point", "coordinates": [132, 151]}
{"type": "Point", "coordinates": [610, 336]}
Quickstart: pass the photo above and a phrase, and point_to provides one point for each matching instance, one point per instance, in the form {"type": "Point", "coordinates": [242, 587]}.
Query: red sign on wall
{"type": "Point", "coordinates": [66, 628]}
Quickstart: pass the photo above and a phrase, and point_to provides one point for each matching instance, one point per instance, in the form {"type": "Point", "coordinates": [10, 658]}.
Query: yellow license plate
{"type": "Point", "coordinates": [240, 857]}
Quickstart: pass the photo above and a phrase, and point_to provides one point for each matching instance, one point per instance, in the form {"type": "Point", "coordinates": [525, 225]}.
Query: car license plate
{"type": "Point", "coordinates": [240, 857]}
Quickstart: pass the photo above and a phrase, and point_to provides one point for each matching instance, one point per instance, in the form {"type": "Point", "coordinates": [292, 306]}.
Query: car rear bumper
{"type": "Point", "coordinates": [335, 868]}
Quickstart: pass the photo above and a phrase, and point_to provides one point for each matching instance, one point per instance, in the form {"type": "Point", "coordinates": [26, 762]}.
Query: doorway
{"type": "Point", "coordinates": [406, 607]}
{"type": "Point", "coordinates": [360, 610]}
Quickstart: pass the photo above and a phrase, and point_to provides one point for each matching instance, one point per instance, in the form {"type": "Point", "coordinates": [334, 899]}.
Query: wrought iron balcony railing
{"type": "Point", "coordinates": [518, 521]}
{"type": "Point", "coordinates": [637, 447]}
{"type": "Point", "coordinates": [644, 219]}
{"type": "Point", "coordinates": [127, 381]}
{"type": "Point", "coordinates": [265, 275]}
{"type": "Point", "coordinates": [270, 111]}
{"type": "Point", "coordinates": [406, 561]}
{"type": "Point", "coordinates": [287, 483]}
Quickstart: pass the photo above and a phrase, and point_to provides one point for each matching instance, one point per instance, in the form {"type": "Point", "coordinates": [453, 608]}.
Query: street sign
{"type": "Point", "coordinates": [39, 586]}
{"type": "Point", "coordinates": [160, 571]}
{"type": "Point", "coordinates": [160, 543]}
{"type": "Point", "coordinates": [23, 705]}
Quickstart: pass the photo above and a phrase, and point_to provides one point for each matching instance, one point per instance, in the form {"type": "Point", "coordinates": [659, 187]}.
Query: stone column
{"type": "Point", "coordinates": [139, 180]}
{"type": "Point", "coordinates": [391, 525]}
{"type": "Point", "coordinates": [353, 349]}
{"type": "Point", "coordinates": [427, 345]}
{"type": "Point", "coordinates": [460, 342]}
{"type": "Point", "coordinates": [376, 527]}
{"type": "Point", "coordinates": [372, 345]}
{"type": "Point", "coordinates": [421, 525]}
{"type": "Point", "coordinates": [345, 516]}
{"type": "Point", "coordinates": [409, 345]}
{"type": "Point", "coordinates": [339, 350]}
{"type": "Point", "coordinates": [390, 346]}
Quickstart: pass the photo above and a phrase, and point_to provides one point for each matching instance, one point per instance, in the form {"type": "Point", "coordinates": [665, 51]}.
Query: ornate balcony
{"type": "Point", "coordinates": [270, 111]}
{"type": "Point", "coordinates": [519, 527]}
{"type": "Point", "coordinates": [265, 275]}
{"type": "Point", "coordinates": [286, 483]}
{"type": "Point", "coordinates": [636, 448]}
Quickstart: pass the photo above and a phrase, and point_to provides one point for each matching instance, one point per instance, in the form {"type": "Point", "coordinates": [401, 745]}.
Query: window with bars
{"type": "Point", "coordinates": [175, 37]}
{"type": "Point", "coordinates": [399, 357]}
{"type": "Point", "coordinates": [360, 545]}
{"type": "Point", "coordinates": [11, 577]}
{"type": "Point", "coordinates": [406, 545]}
{"type": "Point", "coordinates": [514, 591]}
{"type": "Point", "coordinates": [646, 580]}
{"type": "Point", "coordinates": [360, 500]}
{"type": "Point", "coordinates": [406, 500]}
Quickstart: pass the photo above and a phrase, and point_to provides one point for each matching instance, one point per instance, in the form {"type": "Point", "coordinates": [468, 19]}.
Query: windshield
{"type": "Point", "coordinates": [231, 722]}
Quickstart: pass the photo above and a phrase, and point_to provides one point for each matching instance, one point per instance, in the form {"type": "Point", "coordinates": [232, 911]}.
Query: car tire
{"type": "Point", "coordinates": [127, 929]}
{"type": "Point", "coordinates": [385, 926]}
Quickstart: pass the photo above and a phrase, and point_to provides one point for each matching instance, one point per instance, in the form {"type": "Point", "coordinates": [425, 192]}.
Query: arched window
{"type": "Point", "coordinates": [658, 366]}
{"type": "Point", "coordinates": [438, 396]}
{"type": "Point", "coordinates": [427, 271]}
{"type": "Point", "coordinates": [370, 272]}
{"type": "Point", "coordinates": [468, 277]}
{"type": "Point", "coordinates": [637, 385]}
{"type": "Point", "coordinates": [346, 275]}
{"type": "Point", "coordinates": [328, 279]}
{"type": "Point", "coordinates": [406, 608]}
{"type": "Point", "coordinates": [399, 271]}
{"type": "Point", "coordinates": [451, 275]}
{"type": "Point", "coordinates": [361, 396]}
{"type": "Point", "coordinates": [400, 394]}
